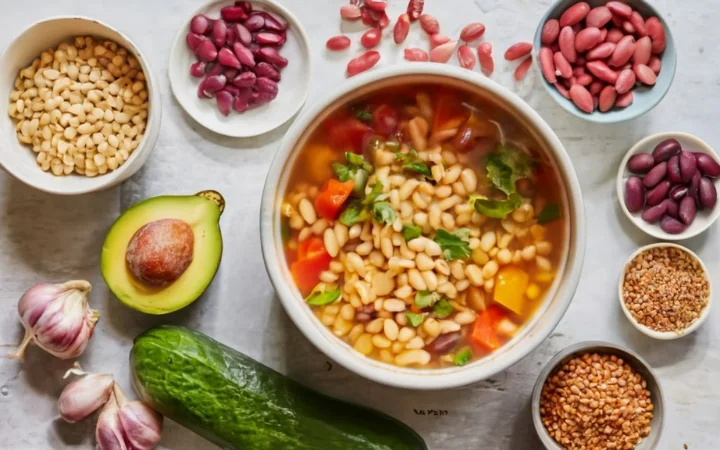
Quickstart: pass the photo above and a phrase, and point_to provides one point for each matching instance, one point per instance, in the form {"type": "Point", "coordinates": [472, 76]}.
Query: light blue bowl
{"type": "Point", "coordinates": [644, 98]}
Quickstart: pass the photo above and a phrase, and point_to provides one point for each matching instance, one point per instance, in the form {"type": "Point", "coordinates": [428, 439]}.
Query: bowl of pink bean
{"type": "Point", "coordinates": [667, 185]}
{"type": "Point", "coordinates": [605, 61]}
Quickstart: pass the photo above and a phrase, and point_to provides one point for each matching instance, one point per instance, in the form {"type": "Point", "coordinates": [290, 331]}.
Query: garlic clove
{"type": "Point", "coordinates": [142, 426]}
{"type": "Point", "coordinates": [108, 431]}
{"type": "Point", "coordinates": [82, 397]}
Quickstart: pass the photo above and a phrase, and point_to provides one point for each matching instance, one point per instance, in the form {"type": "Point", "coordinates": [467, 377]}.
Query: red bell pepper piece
{"type": "Point", "coordinates": [313, 259]}
{"type": "Point", "coordinates": [331, 198]}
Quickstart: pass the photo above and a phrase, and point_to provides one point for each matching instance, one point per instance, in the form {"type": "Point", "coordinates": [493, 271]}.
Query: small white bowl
{"type": "Point", "coordinates": [665, 335]}
{"type": "Point", "coordinates": [19, 159]}
{"type": "Point", "coordinates": [702, 221]}
{"type": "Point", "coordinates": [293, 87]}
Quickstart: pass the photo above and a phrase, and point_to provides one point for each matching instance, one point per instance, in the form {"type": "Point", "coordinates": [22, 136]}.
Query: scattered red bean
{"type": "Point", "coordinates": [466, 57]}
{"type": "Point", "coordinates": [415, 9]}
{"type": "Point", "coordinates": [487, 63]}
{"type": "Point", "coordinates": [371, 38]}
{"type": "Point", "coordinates": [438, 39]}
{"type": "Point", "coordinates": [362, 63]}
{"type": "Point", "coordinates": [517, 51]}
{"type": "Point", "coordinates": [402, 27]}
{"type": "Point", "coordinates": [337, 43]}
{"type": "Point", "coordinates": [522, 69]}
{"type": "Point", "coordinates": [377, 5]}
{"type": "Point", "coordinates": [442, 53]}
{"type": "Point", "coordinates": [429, 24]}
{"type": "Point", "coordinates": [472, 32]}
{"type": "Point", "coordinates": [416, 54]}
{"type": "Point", "coordinates": [574, 14]}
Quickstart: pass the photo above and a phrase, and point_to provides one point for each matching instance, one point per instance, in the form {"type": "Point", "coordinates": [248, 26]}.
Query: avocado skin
{"type": "Point", "coordinates": [239, 404]}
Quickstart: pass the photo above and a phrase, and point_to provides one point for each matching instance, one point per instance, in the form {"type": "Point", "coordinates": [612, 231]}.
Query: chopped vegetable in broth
{"type": "Point", "coordinates": [425, 226]}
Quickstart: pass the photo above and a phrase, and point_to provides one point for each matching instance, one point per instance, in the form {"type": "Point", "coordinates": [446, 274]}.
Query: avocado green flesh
{"type": "Point", "coordinates": [202, 215]}
{"type": "Point", "coordinates": [238, 403]}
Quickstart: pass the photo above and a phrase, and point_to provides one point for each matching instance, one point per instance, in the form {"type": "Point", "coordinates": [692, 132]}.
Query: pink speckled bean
{"type": "Point", "coordinates": [545, 56]}
{"type": "Point", "coordinates": [598, 17]}
{"type": "Point", "coordinates": [643, 49]}
{"type": "Point", "coordinates": [584, 80]}
{"type": "Point", "coordinates": [614, 36]}
{"type": "Point", "coordinates": [657, 34]}
{"type": "Point", "coordinates": [623, 51]}
{"type": "Point", "coordinates": [619, 8]}
{"type": "Point", "coordinates": [645, 75]}
{"type": "Point", "coordinates": [602, 51]}
{"type": "Point", "coordinates": [607, 98]}
{"type": "Point", "coordinates": [625, 81]}
{"type": "Point", "coordinates": [587, 39]}
{"type": "Point", "coordinates": [574, 14]}
{"type": "Point", "coordinates": [624, 100]}
{"type": "Point", "coordinates": [602, 71]}
{"type": "Point", "coordinates": [582, 98]}
{"type": "Point", "coordinates": [655, 64]}
{"type": "Point", "coordinates": [562, 66]}
{"type": "Point", "coordinates": [567, 44]}
{"type": "Point", "coordinates": [550, 32]}
{"type": "Point", "coordinates": [638, 23]}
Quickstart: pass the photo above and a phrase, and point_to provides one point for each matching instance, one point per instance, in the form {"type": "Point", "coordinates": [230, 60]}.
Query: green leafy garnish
{"type": "Point", "coordinates": [363, 115]}
{"type": "Point", "coordinates": [342, 172]}
{"type": "Point", "coordinates": [453, 246]}
{"type": "Point", "coordinates": [319, 298]}
{"type": "Point", "coordinates": [496, 209]}
{"type": "Point", "coordinates": [355, 212]}
{"type": "Point", "coordinates": [412, 162]}
{"type": "Point", "coordinates": [357, 169]}
{"type": "Point", "coordinates": [410, 231]}
{"type": "Point", "coordinates": [443, 308]}
{"type": "Point", "coordinates": [423, 299]}
{"type": "Point", "coordinates": [506, 166]}
{"type": "Point", "coordinates": [549, 213]}
{"type": "Point", "coordinates": [358, 161]}
{"type": "Point", "coordinates": [415, 319]}
{"type": "Point", "coordinates": [375, 192]}
{"type": "Point", "coordinates": [462, 356]}
{"type": "Point", "coordinates": [383, 212]}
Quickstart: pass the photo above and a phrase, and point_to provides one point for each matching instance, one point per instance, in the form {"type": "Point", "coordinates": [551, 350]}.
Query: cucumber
{"type": "Point", "coordinates": [238, 403]}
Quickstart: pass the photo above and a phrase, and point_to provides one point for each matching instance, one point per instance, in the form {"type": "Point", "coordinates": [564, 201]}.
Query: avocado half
{"type": "Point", "coordinates": [202, 212]}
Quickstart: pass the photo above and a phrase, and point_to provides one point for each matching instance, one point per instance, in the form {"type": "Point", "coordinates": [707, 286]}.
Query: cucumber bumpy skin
{"type": "Point", "coordinates": [239, 404]}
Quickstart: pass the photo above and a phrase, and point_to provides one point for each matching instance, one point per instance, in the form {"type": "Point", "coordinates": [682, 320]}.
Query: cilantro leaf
{"type": "Point", "coordinates": [462, 356]}
{"type": "Point", "coordinates": [319, 298]}
{"type": "Point", "coordinates": [342, 172]}
{"type": "Point", "coordinates": [410, 231]}
{"type": "Point", "coordinates": [418, 167]}
{"type": "Point", "coordinates": [496, 209]}
{"type": "Point", "coordinates": [383, 212]}
{"type": "Point", "coordinates": [415, 319]}
{"type": "Point", "coordinates": [549, 213]}
{"type": "Point", "coordinates": [506, 166]}
{"type": "Point", "coordinates": [375, 191]}
{"type": "Point", "coordinates": [423, 299]}
{"type": "Point", "coordinates": [354, 213]}
{"type": "Point", "coordinates": [443, 308]}
{"type": "Point", "coordinates": [453, 247]}
{"type": "Point", "coordinates": [358, 161]}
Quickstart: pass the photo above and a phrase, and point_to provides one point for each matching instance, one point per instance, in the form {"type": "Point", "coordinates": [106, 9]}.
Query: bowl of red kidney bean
{"type": "Point", "coordinates": [667, 185]}
{"type": "Point", "coordinates": [241, 68]}
{"type": "Point", "coordinates": [605, 61]}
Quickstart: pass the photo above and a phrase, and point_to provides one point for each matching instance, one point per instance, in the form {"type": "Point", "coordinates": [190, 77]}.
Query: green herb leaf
{"type": "Point", "coordinates": [443, 308]}
{"type": "Point", "coordinates": [354, 213]}
{"type": "Point", "coordinates": [342, 172]}
{"type": "Point", "coordinates": [549, 213]}
{"type": "Point", "coordinates": [318, 298]}
{"type": "Point", "coordinates": [463, 233]}
{"type": "Point", "coordinates": [453, 247]}
{"type": "Point", "coordinates": [415, 319]}
{"type": "Point", "coordinates": [495, 209]}
{"type": "Point", "coordinates": [383, 212]}
{"type": "Point", "coordinates": [418, 167]}
{"type": "Point", "coordinates": [410, 231]}
{"type": "Point", "coordinates": [423, 299]}
{"type": "Point", "coordinates": [363, 115]}
{"type": "Point", "coordinates": [462, 356]}
{"type": "Point", "coordinates": [358, 161]}
{"type": "Point", "coordinates": [506, 166]}
{"type": "Point", "coordinates": [375, 192]}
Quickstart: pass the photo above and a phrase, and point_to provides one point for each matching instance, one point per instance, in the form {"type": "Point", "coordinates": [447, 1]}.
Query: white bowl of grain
{"type": "Point", "coordinates": [20, 160]}
{"type": "Point", "coordinates": [659, 309]}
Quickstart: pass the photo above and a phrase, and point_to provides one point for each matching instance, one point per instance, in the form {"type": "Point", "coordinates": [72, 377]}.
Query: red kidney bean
{"type": "Point", "coordinates": [625, 81]}
{"type": "Point", "coordinates": [245, 80]}
{"type": "Point", "coordinates": [362, 63]}
{"type": "Point", "coordinates": [416, 54]}
{"type": "Point", "coordinates": [687, 210]}
{"type": "Point", "coordinates": [273, 23]}
{"type": "Point", "coordinates": [517, 51]}
{"type": "Point", "coordinates": [267, 38]}
{"type": "Point", "coordinates": [583, 80]}
{"type": "Point", "coordinates": [673, 172]}
{"type": "Point", "coordinates": [707, 194]}
{"type": "Point", "coordinates": [645, 75]}
{"type": "Point", "coordinates": [694, 186]}
{"type": "Point", "coordinates": [264, 69]}
{"type": "Point", "coordinates": [337, 43]}
{"type": "Point", "coordinates": [658, 193]}
{"type": "Point", "coordinates": [214, 83]}
{"type": "Point", "coordinates": [678, 192]}
{"type": "Point", "coordinates": [638, 23]}
{"type": "Point", "coordinates": [267, 85]}
{"type": "Point", "coordinates": [198, 69]}
{"type": "Point", "coordinates": [641, 163]}
{"type": "Point", "coordinates": [614, 36]}
{"type": "Point", "coordinates": [545, 56]}
{"type": "Point", "coordinates": [224, 101]}
{"type": "Point", "coordinates": [219, 33]}
{"type": "Point", "coordinates": [233, 13]}
{"type": "Point", "coordinates": [371, 38]}
{"type": "Point", "coordinates": [257, 22]}
{"type": "Point", "coordinates": [231, 37]}
{"type": "Point", "coordinates": [562, 90]}
{"type": "Point", "coordinates": [522, 69]}
{"type": "Point", "coordinates": [466, 57]}
{"type": "Point", "coordinates": [271, 55]}
{"type": "Point", "coordinates": [429, 24]}
{"type": "Point", "coordinates": [656, 31]}
{"type": "Point", "coordinates": [707, 165]}
{"type": "Point", "coordinates": [194, 40]}
{"type": "Point", "coordinates": [587, 39]}
{"type": "Point", "coordinates": [598, 17]}
{"type": "Point", "coordinates": [415, 8]}
{"type": "Point", "coordinates": [228, 59]}
{"type": "Point", "coordinates": [655, 175]}
{"type": "Point", "coordinates": [666, 150]}
{"type": "Point", "coordinates": [688, 166]}
{"type": "Point", "coordinates": [214, 69]}
{"type": "Point", "coordinates": [443, 344]}
{"type": "Point", "coordinates": [619, 8]}
{"type": "Point", "coordinates": [402, 27]}
{"type": "Point", "coordinates": [437, 40]}
{"type": "Point", "coordinates": [201, 93]}
{"type": "Point", "coordinates": [643, 48]}
{"type": "Point", "coordinates": [655, 64]}
{"type": "Point", "coordinates": [487, 63]}
{"type": "Point", "coordinates": [602, 71]}
{"type": "Point", "coordinates": [242, 34]}
{"type": "Point", "coordinates": [206, 51]}
{"type": "Point", "coordinates": [562, 66]}
{"type": "Point", "coordinates": [673, 209]}
{"type": "Point", "coordinates": [474, 31]}
{"type": "Point", "coordinates": [672, 226]}
{"type": "Point", "coordinates": [601, 51]}
{"type": "Point", "coordinates": [634, 194]}
{"type": "Point", "coordinates": [566, 41]}
{"type": "Point", "coordinates": [377, 5]}
{"type": "Point", "coordinates": [200, 24]}
{"type": "Point", "coordinates": [244, 55]}
{"type": "Point", "coordinates": [574, 14]}
{"type": "Point", "coordinates": [624, 100]}
{"type": "Point", "coordinates": [653, 214]}
{"type": "Point", "coordinates": [550, 32]}
{"type": "Point", "coordinates": [623, 51]}
{"type": "Point", "coordinates": [582, 98]}
{"type": "Point", "coordinates": [595, 87]}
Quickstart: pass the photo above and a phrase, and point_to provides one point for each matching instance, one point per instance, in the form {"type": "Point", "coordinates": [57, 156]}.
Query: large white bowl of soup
{"type": "Point", "coordinates": [423, 226]}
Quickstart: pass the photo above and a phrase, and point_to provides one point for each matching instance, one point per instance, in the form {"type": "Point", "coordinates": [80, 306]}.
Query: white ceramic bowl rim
{"type": "Point", "coordinates": [146, 145]}
{"type": "Point", "coordinates": [422, 378]}
{"type": "Point", "coordinates": [665, 335]}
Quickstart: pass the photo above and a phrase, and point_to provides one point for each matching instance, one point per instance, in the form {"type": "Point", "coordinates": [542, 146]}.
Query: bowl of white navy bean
{"type": "Point", "coordinates": [80, 111]}
{"type": "Point", "coordinates": [423, 227]}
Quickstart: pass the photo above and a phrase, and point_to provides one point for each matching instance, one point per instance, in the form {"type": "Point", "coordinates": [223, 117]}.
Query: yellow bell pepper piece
{"type": "Point", "coordinates": [533, 291]}
{"type": "Point", "coordinates": [510, 286]}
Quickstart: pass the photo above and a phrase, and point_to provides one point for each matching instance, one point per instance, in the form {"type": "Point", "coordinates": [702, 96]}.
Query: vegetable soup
{"type": "Point", "coordinates": [423, 225]}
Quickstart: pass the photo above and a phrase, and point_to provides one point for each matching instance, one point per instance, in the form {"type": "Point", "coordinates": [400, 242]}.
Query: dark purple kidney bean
{"type": "Point", "coordinates": [687, 210]}
{"type": "Point", "coordinates": [246, 6]}
{"type": "Point", "coordinates": [267, 85]}
{"type": "Point", "coordinates": [198, 69]}
{"type": "Point", "coordinates": [673, 210]}
{"type": "Point", "coordinates": [228, 59]}
{"type": "Point", "coordinates": [272, 23]}
{"type": "Point", "coordinates": [673, 170]}
{"type": "Point", "coordinates": [688, 166]}
{"type": "Point", "coordinates": [233, 90]}
{"type": "Point", "coordinates": [666, 149]}
{"type": "Point", "coordinates": [243, 34]}
{"type": "Point", "coordinates": [655, 175]}
{"type": "Point", "coordinates": [653, 214]}
{"type": "Point", "coordinates": [707, 165]}
{"type": "Point", "coordinates": [634, 194]}
{"type": "Point", "coordinates": [707, 194]}
{"type": "Point", "coordinates": [194, 40]}
{"type": "Point", "coordinates": [219, 33]}
{"type": "Point", "coordinates": [658, 193]}
{"type": "Point", "coordinates": [443, 343]}
{"type": "Point", "coordinates": [206, 51]}
{"type": "Point", "coordinates": [230, 37]}
{"type": "Point", "coordinates": [255, 22]}
{"type": "Point", "coordinates": [672, 226]}
{"type": "Point", "coordinates": [264, 69]}
{"type": "Point", "coordinates": [245, 79]}
{"type": "Point", "coordinates": [201, 93]}
{"type": "Point", "coordinates": [265, 97]}
{"type": "Point", "coordinates": [271, 55]}
{"type": "Point", "coordinates": [678, 192]}
{"type": "Point", "coordinates": [233, 13]}
{"type": "Point", "coordinates": [641, 163]}
{"type": "Point", "coordinates": [214, 83]}
{"type": "Point", "coordinates": [694, 186]}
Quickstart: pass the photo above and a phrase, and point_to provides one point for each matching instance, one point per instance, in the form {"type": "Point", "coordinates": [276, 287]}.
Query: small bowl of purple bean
{"type": "Point", "coordinates": [241, 68]}
{"type": "Point", "coordinates": [667, 185]}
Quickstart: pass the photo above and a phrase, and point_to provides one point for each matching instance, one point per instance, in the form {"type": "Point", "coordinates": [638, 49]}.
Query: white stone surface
{"type": "Point", "coordinates": [43, 237]}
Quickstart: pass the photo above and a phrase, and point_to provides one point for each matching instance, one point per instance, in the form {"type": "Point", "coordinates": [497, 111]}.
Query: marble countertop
{"type": "Point", "coordinates": [49, 238]}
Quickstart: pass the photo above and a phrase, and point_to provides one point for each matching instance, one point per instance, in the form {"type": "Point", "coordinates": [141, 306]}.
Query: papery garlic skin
{"type": "Point", "coordinates": [108, 431]}
{"type": "Point", "coordinates": [83, 397]}
{"type": "Point", "coordinates": [57, 318]}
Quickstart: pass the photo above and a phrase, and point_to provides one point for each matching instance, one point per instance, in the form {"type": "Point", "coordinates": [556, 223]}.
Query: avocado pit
{"type": "Point", "coordinates": [160, 252]}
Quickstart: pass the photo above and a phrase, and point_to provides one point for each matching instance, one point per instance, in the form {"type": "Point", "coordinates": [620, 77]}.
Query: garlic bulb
{"type": "Point", "coordinates": [57, 318]}
{"type": "Point", "coordinates": [83, 397]}
{"type": "Point", "coordinates": [108, 431]}
{"type": "Point", "coordinates": [142, 426]}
